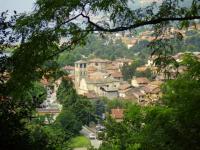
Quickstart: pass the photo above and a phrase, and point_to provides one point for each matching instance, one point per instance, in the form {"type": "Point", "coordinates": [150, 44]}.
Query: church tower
{"type": "Point", "coordinates": [80, 72]}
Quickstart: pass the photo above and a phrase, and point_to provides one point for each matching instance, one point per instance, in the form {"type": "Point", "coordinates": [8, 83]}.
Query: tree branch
{"type": "Point", "coordinates": [139, 24]}
{"type": "Point", "coordinates": [69, 20]}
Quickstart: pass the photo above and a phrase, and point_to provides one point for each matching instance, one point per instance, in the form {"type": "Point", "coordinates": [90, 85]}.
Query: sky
{"type": "Point", "coordinates": [19, 5]}
{"type": "Point", "coordinates": [28, 5]}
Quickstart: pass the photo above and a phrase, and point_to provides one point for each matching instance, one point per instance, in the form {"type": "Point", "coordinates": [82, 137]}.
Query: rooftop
{"type": "Point", "coordinates": [156, 83]}
{"type": "Point", "coordinates": [97, 76]}
{"type": "Point", "coordinates": [116, 74]}
{"type": "Point", "coordinates": [142, 80]}
{"type": "Point", "coordinates": [80, 62]}
{"type": "Point", "coordinates": [124, 86]}
{"type": "Point", "coordinates": [117, 113]}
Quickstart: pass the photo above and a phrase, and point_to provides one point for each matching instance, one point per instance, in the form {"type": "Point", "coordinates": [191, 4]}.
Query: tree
{"type": "Point", "coordinates": [15, 115]}
{"type": "Point", "coordinates": [129, 71]}
{"type": "Point", "coordinates": [100, 108]}
{"type": "Point", "coordinates": [81, 107]}
{"type": "Point", "coordinates": [40, 42]}
{"type": "Point", "coordinates": [68, 121]}
{"type": "Point", "coordinates": [147, 73]}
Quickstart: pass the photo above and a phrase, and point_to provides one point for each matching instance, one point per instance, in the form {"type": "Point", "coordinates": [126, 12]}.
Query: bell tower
{"type": "Point", "coordinates": [80, 72]}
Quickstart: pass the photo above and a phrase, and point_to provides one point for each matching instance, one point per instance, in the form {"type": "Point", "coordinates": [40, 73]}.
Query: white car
{"type": "Point", "coordinates": [92, 136]}
{"type": "Point", "coordinates": [100, 127]}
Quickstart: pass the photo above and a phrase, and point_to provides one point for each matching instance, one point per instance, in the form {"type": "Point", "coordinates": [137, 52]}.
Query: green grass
{"type": "Point", "coordinates": [79, 141]}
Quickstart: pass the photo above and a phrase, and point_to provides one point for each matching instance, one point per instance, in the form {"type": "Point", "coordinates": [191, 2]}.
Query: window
{"type": "Point", "coordinates": [81, 65]}
{"type": "Point", "coordinates": [84, 65]}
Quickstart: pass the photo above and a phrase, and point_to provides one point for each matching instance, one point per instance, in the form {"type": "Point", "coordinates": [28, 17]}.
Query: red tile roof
{"type": "Point", "coordinates": [117, 113]}
{"type": "Point", "coordinates": [116, 75]}
{"type": "Point", "coordinates": [124, 86]}
{"type": "Point", "coordinates": [142, 80]}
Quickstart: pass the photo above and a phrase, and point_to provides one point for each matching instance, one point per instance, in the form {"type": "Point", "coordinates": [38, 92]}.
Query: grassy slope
{"type": "Point", "coordinates": [80, 141]}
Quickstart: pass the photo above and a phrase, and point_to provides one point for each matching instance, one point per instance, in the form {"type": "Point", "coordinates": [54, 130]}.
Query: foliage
{"type": "Point", "coordinates": [48, 137]}
{"type": "Point", "coordinates": [147, 73]}
{"type": "Point", "coordinates": [69, 123]}
{"type": "Point", "coordinates": [16, 115]}
{"type": "Point", "coordinates": [78, 105]}
{"type": "Point", "coordinates": [13, 120]}
{"type": "Point", "coordinates": [115, 103]}
{"type": "Point", "coordinates": [100, 108]}
{"type": "Point", "coordinates": [129, 71]}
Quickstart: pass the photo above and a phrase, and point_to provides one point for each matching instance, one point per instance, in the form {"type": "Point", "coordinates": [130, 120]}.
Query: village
{"type": "Point", "coordinates": [98, 77]}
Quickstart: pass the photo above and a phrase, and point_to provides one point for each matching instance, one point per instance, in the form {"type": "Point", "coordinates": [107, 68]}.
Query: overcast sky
{"type": "Point", "coordinates": [28, 5]}
{"type": "Point", "coordinates": [18, 5]}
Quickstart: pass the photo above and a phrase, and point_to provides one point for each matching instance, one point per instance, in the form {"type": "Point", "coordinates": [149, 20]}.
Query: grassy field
{"type": "Point", "coordinates": [80, 141]}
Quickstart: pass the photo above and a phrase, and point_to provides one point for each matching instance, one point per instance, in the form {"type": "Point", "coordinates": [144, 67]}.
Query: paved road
{"type": "Point", "coordinates": [94, 142]}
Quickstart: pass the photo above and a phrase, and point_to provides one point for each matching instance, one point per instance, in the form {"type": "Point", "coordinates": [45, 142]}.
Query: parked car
{"type": "Point", "coordinates": [100, 127]}
{"type": "Point", "coordinates": [92, 136]}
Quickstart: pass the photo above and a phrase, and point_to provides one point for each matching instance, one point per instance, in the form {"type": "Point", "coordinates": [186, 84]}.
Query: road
{"type": "Point", "coordinates": [94, 142]}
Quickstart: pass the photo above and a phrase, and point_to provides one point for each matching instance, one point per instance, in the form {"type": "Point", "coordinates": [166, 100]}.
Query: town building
{"type": "Point", "coordinates": [99, 76]}
{"type": "Point", "coordinates": [139, 81]}
{"type": "Point", "coordinates": [103, 78]}
{"type": "Point", "coordinates": [117, 114]}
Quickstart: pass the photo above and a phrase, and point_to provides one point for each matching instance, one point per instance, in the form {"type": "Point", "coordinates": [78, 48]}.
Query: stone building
{"type": "Point", "coordinates": [99, 64]}
{"type": "Point", "coordinates": [101, 83]}
{"type": "Point", "coordinates": [93, 76]}
{"type": "Point", "coordinates": [80, 72]}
